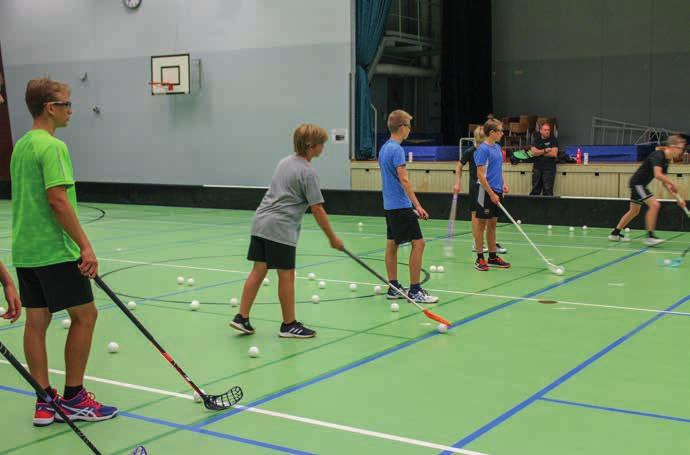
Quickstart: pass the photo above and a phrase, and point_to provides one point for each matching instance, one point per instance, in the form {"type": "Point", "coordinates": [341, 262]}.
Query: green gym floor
{"type": "Point", "coordinates": [605, 369]}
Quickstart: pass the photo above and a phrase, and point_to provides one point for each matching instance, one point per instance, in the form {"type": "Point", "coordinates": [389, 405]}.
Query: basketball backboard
{"type": "Point", "coordinates": [170, 74]}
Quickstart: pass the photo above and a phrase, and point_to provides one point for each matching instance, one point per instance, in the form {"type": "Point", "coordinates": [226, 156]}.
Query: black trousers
{"type": "Point", "coordinates": [542, 182]}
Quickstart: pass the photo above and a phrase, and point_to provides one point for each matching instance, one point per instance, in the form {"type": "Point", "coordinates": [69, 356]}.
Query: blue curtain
{"type": "Point", "coordinates": [371, 20]}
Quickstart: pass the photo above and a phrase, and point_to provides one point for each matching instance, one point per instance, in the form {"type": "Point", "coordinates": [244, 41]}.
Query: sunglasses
{"type": "Point", "coordinates": [60, 103]}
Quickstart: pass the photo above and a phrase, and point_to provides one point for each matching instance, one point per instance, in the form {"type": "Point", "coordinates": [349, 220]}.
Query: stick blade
{"type": "Point", "coordinates": [223, 401]}
{"type": "Point", "coordinates": [437, 318]}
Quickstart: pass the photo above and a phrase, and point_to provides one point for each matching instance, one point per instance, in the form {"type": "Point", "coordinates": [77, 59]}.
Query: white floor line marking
{"type": "Point", "coordinates": [365, 283]}
{"type": "Point", "coordinates": [620, 285]}
{"type": "Point", "coordinates": [362, 233]}
{"type": "Point", "coordinates": [563, 302]}
{"type": "Point", "coordinates": [280, 415]}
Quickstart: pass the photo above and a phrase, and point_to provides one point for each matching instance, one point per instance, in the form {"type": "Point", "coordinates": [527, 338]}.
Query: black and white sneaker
{"type": "Point", "coordinates": [392, 294]}
{"type": "Point", "coordinates": [295, 330]}
{"type": "Point", "coordinates": [242, 324]}
{"type": "Point", "coordinates": [500, 249]}
{"type": "Point", "coordinates": [485, 250]}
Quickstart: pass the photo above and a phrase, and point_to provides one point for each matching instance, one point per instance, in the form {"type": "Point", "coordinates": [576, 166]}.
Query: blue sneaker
{"type": "Point", "coordinates": [84, 407]}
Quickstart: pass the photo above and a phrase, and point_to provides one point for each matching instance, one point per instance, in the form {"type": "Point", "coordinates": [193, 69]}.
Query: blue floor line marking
{"type": "Point", "coordinates": [412, 342]}
{"type": "Point", "coordinates": [522, 405]}
{"type": "Point", "coordinates": [179, 426]}
{"type": "Point", "coordinates": [617, 410]}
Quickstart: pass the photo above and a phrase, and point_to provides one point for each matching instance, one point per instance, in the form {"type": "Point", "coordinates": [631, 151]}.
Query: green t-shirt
{"type": "Point", "coordinates": [40, 161]}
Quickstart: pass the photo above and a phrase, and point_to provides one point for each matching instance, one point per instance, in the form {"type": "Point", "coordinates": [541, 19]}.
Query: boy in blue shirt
{"type": "Point", "coordinates": [489, 160]}
{"type": "Point", "coordinates": [402, 210]}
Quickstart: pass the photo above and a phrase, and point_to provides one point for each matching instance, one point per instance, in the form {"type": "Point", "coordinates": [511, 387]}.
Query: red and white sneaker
{"type": "Point", "coordinates": [480, 264]}
{"type": "Point", "coordinates": [44, 414]}
{"type": "Point", "coordinates": [85, 407]}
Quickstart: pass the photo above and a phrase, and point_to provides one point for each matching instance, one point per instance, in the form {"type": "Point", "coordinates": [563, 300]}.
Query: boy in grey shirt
{"type": "Point", "coordinates": [276, 228]}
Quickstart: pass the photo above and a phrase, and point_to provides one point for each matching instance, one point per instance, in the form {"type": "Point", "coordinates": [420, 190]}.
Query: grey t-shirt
{"type": "Point", "coordinates": [294, 187]}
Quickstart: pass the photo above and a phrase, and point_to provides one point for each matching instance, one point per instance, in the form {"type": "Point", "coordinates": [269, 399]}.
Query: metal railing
{"type": "Point", "coordinates": [614, 132]}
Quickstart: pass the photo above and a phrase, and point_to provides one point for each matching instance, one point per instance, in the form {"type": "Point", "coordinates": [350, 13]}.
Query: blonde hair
{"type": "Point", "coordinates": [398, 118]}
{"type": "Point", "coordinates": [491, 125]}
{"type": "Point", "coordinates": [308, 135]}
{"type": "Point", "coordinates": [41, 91]}
{"type": "Point", "coordinates": [478, 135]}
{"type": "Point", "coordinates": [675, 140]}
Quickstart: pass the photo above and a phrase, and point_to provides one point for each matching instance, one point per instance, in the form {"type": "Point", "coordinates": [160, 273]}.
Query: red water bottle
{"type": "Point", "coordinates": [578, 156]}
{"type": "Point", "coordinates": [505, 157]}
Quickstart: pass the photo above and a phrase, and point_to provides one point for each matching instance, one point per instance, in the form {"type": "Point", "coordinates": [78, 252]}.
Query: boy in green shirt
{"type": "Point", "coordinates": [52, 254]}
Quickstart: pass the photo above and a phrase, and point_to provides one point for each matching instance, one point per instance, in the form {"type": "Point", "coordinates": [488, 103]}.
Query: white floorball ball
{"type": "Point", "coordinates": [197, 397]}
{"type": "Point", "coordinates": [180, 280]}
{"type": "Point", "coordinates": [267, 281]}
{"type": "Point", "coordinates": [131, 304]}
{"type": "Point", "coordinates": [395, 307]}
{"type": "Point", "coordinates": [571, 228]}
{"type": "Point", "coordinates": [560, 270]}
{"type": "Point", "coordinates": [377, 289]}
{"type": "Point", "coordinates": [353, 286]}
{"type": "Point", "coordinates": [432, 268]}
{"type": "Point", "coordinates": [360, 224]}
{"type": "Point", "coordinates": [190, 282]}
{"type": "Point", "coordinates": [234, 301]}
{"type": "Point", "coordinates": [549, 227]}
{"type": "Point", "coordinates": [66, 323]}
{"type": "Point", "coordinates": [253, 352]}
{"type": "Point", "coordinates": [311, 276]}
{"type": "Point", "coordinates": [667, 262]}
{"type": "Point", "coordinates": [113, 347]}
{"type": "Point", "coordinates": [519, 221]}
{"type": "Point", "coordinates": [440, 269]}
{"type": "Point", "coordinates": [442, 328]}
{"type": "Point", "coordinates": [584, 227]}
{"type": "Point", "coordinates": [322, 285]}
{"type": "Point", "coordinates": [627, 229]}
{"type": "Point", "coordinates": [194, 305]}
{"type": "Point", "coordinates": [315, 299]}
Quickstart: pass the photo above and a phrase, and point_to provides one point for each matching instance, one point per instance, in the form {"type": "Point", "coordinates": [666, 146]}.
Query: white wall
{"type": "Point", "coordinates": [267, 65]}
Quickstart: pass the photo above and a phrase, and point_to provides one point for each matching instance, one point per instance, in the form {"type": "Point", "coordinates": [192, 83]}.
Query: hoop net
{"type": "Point", "coordinates": [161, 88]}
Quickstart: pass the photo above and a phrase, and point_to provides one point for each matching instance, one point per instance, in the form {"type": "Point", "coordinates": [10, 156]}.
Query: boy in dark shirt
{"type": "Point", "coordinates": [654, 167]}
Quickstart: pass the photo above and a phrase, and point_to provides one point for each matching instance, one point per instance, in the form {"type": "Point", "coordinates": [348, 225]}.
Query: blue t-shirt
{"type": "Point", "coordinates": [491, 156]}
{"type": "Point", "coordinates": [392, 156]}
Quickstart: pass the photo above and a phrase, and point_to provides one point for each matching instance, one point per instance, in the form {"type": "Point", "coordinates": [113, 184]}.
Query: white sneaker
{"type": "Point", "coordinates": [486, 249]}
{"type": "Point", "coordinates": [653, 241]}
{"type": "Point", "coordinates": [618, 238]}
{"type": "Point", "coordinates": [500, 249]}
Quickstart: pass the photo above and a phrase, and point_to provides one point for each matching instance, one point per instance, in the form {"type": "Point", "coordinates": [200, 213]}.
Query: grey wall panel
{"type": "Point", "coordinates": [626, 61]}
{"type": "Point", "coordinates": [267, 66]}
{"type": "Point", "coordinates": [625, 88]}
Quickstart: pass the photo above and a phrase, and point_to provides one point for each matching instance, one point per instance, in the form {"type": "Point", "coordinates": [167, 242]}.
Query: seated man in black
{"type": "Point", "coordinates": [544, 153]}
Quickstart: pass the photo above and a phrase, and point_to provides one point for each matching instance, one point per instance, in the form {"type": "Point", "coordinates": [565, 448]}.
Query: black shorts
{"type": "Point", "coordinates": [485, 208]}
{"type": "Point", "coordinates": [639, 194]}
{"type": "Point", "coordinates": [56, 287]}
{"type": "Point", "coordinates": [402, 225]}
{"type": "Point", "coordinates": [275, 255]}
{"type": "Point", "coordinates": [472, 193]}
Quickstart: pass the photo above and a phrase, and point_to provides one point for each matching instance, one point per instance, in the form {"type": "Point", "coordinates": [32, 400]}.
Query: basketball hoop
{"type": "Point", "coordinates": [161, 88]}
